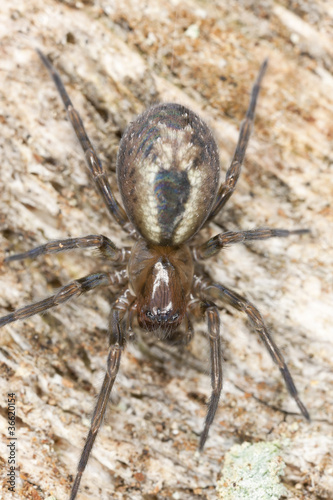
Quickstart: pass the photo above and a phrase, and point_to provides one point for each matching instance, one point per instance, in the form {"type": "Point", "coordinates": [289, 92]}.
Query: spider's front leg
{"type": "Point", "coordinates": [213, 320]}
{"type": "Point", "coordinates": [117, 343]}
{"type": "Point", "coordinates": [216, 291]}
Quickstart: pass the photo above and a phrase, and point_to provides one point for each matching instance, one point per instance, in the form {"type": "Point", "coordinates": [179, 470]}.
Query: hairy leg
{"type": "Point", "coordinates": [216, 291]}
{"type": "Point", "coordinates": [213, 319]}
{"type": "Point", "coordinates": [222, 240]}
{"type": "Point", "coordinates": [107, 248]}
{"type": "Point", "coordinates": [94, 164]}
{"type": "Point", "coordinates": [65, 293]}
{"type": "Point", "coordinates": [233, 173]}
{"type": "Point", "coordinates": [113, 362]}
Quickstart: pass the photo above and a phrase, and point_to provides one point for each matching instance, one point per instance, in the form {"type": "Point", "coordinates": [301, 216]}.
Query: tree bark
{"type": "Point", "coordinates": [116, 59]}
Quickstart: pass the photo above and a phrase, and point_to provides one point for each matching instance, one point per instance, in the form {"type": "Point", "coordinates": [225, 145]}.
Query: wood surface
{"type": "Point", "coordinates": [116, 59]}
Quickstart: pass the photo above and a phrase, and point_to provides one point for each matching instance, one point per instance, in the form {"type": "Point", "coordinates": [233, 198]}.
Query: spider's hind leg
{"type": "Point", "coordinates": [93, 162]}
{"type": "Point", "coordinates": [233, 173]}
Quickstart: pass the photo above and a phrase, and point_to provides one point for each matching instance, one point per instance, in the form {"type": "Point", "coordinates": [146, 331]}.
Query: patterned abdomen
{"type": "Point", "coordinates": [168, 173]}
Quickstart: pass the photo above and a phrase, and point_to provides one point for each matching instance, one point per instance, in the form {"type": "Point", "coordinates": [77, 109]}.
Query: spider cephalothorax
{"type": "Point", "coordinates": [168, 174]}
{"type": "Point", "coordinates": [161, 279]}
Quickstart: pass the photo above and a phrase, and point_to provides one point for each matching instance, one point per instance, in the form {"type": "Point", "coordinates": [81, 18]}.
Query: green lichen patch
{"type": "Point", "coordinates": [252, 472]}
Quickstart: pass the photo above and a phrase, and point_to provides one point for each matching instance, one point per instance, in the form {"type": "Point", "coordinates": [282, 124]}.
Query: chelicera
{"type": "Point", "coordinates": [168, 175]}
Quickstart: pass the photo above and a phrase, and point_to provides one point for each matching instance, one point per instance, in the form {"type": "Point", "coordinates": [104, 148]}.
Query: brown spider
{"type": "Point", "coordinates": [168, 175]}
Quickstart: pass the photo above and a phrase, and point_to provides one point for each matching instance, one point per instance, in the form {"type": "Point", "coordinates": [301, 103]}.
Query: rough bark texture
{"type": "Point", "coordinates": [116, 59]}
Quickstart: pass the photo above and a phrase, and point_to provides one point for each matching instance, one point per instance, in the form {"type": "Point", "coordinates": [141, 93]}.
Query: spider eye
{"type": "Point", "coordinates": [149, 315]}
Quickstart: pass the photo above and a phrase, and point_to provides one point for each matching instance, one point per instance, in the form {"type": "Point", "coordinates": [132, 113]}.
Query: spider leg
{"type": "Point", "coordinates": [215, 244]}
{"type": "Point", "coordinates": [65, 293]}
{"type": "Point", "coordinates": [211, 291]}
{"type": "Point", "coordinates": [189, 330]}
{"type": "Point", "coordinates": [213, 319]}
{"type": "Point", "coordinates": [94, 164]}
{"type": "Point", "coordinates": [130, 334]}
{"type": "Point", "coordinates": [233, 173]}
{"type": "Point", "coordinates": [117, 342]}
{"type": "Point", "coordinates": [104, 245]}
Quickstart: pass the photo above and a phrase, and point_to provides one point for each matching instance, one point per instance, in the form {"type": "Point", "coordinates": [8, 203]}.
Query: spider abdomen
{"type": "Point", "coordinates": [168, 173]}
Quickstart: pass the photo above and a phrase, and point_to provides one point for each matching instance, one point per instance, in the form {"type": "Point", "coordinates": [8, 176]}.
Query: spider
{"type": "Point", "coordinates": [168, 176]}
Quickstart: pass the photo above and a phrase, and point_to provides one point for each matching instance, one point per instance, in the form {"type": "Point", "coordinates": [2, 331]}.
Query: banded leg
{"type": "Point", "coordinates": [67, 292]}
{"type": "Point", "coordinates": [233, 173]}
{"type": "Point", "coordinates": [213, 319]}
{"type": "Point", "coordinates": [104, 245]}
{"type": "Point", "coordinates": [130, 333]}
{"type": "Point", "coordinates": [94, 164]}
{"type": "Point", "coordinates": [113, 363]}
{"type": "Point", "coordinates": [216, 291]}
{"type": "Point", "coordinates": [222, 240]}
